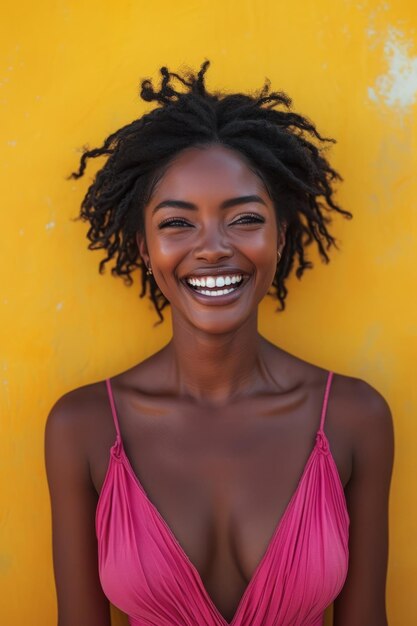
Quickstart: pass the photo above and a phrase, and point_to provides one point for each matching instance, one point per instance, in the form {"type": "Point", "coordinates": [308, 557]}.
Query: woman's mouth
{"type": "Point", "coordinates": [215, 288]}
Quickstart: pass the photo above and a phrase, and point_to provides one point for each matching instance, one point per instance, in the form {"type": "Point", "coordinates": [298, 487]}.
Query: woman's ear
{"type": "Point", "coordinates": [282, 230]}
{"type": "Point", "coordinates": [142, 247]}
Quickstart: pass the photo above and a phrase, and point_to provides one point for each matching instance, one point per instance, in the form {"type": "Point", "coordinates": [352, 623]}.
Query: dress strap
{"type": "Point", "coordinates": [113, 408]}
{"type": "Point", "coordinates": [325, 400]}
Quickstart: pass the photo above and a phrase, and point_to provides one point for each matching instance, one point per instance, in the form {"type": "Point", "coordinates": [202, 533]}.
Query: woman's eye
{"type": "Point", "coordinates": [177, 222]}
{"type": "Point", "coordinates": [173, 222]}
{"type": "Point", "coordinates": [249, 218]}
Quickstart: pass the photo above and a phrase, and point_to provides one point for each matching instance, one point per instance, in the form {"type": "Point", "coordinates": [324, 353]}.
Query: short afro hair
{"type": "Point", "coordinates": [284, 148]}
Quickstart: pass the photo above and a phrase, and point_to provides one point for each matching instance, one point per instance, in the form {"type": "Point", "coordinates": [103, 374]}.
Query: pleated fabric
{"type": "Point", "coordinates": [145, 572]}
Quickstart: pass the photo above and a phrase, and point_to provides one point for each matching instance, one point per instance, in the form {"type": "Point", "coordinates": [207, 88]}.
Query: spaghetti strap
{"type": "Point", "coordinates": [113, 408]}
{"type": "Point", "coordinates": [325, 400]}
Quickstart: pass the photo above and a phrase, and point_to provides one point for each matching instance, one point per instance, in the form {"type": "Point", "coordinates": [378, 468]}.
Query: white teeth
{"type": "Point", "coordinates": [215, 281]}
{"type": "Point", "coordinates": [219, 292]}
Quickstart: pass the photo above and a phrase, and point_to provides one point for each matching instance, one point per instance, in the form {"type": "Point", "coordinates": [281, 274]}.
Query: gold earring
{"type": "Point", "coordinates": [149, 271]}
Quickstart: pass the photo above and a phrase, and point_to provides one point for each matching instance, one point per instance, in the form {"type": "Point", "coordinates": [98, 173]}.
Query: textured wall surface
{"type": "Point", "coordinates": [69, 72]}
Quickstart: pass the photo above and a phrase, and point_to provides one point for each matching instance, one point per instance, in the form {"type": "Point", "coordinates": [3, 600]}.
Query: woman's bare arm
{"type": "Point", "coordinates": [362, 599]}
{"type": "Point", "coordinates": [81, 600]}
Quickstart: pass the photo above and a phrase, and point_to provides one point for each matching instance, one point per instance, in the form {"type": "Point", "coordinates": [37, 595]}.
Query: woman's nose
{"type": "Point", "coordinates": [213, 244]}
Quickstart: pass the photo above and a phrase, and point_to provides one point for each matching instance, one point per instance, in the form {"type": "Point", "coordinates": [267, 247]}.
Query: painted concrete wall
{"type": "Point", "coordinates": [68, 76]}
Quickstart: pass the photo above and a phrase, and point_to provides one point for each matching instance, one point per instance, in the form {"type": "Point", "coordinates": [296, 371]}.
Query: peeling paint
{"type": "Point", "coordinates": [398, 86]}
{"type": "Point", "coordinates": [50, 225]}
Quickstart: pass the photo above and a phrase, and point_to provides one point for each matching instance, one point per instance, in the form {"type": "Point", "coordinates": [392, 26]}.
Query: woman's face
{"type": "Point", "coordinates": [210, 219]}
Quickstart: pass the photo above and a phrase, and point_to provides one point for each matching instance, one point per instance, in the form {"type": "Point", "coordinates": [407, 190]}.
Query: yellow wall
{"type": "Point", "coordinates": [69, 75]}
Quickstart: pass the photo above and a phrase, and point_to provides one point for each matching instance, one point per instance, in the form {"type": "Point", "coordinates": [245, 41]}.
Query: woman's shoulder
{"type": "Point", "coordinates": [79, 417]}
{"type": "Point", "coordinates": [74, 407]}
{"type": "Point", "coordinates": [357, 410]}
{"type": "Point", "coordinates": [360, 420]}
{"type": "Point", "coordinates": [84, 412]}
{"type": "Point", "coordinates": [359, 402]}
{"type": "Point", "coordinates": [351, 395]}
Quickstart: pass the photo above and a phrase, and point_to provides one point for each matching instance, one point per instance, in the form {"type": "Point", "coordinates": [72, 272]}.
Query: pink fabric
{"type": "Point", "coordinates": [145, 572]}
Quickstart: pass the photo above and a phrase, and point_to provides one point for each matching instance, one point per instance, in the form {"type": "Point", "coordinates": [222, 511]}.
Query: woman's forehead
{"type": "Point", "coordinates": [214, 168]}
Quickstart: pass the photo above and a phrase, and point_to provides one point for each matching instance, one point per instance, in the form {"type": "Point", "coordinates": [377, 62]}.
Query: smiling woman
{"type": "Point", "coordinates": [222, 481]}
{"type": "Point", "coordinates": [211, 209]}
{"type": "Point", "coordinates": [279, 146]}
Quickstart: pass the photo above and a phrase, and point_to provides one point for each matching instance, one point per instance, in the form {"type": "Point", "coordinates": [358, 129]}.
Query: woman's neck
{"type": "Point", "coordinates": [213, 368]}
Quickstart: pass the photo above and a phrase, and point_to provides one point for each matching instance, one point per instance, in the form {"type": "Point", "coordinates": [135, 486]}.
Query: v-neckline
{"type": "Point", "coordinates": [122, 455]}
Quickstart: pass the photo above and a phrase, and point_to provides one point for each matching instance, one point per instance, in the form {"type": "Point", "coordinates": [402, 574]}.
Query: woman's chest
{"type": "Point", "coordinates": [221, 480]}
{"type": "Point", "coordinates": [208, 525]}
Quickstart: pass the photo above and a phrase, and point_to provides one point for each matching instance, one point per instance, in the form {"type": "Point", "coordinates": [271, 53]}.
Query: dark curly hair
{"type": "Point", "coordinates": [284, 148]}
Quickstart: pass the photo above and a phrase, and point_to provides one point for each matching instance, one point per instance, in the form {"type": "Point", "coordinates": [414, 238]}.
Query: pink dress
{"type": "Point", "coordinates": [145, 572]}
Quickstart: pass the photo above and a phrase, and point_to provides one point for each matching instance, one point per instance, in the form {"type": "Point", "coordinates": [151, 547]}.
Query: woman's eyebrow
{"type": "Point", "coordinates": [182, 204]}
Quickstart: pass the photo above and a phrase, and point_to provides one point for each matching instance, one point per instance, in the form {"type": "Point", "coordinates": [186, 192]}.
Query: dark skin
{"type": "Point", "coordinates": [218, 425]}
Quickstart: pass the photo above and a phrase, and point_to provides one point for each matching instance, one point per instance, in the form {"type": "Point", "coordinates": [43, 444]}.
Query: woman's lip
{"type": "Point", "coordinates": [213, 300]}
